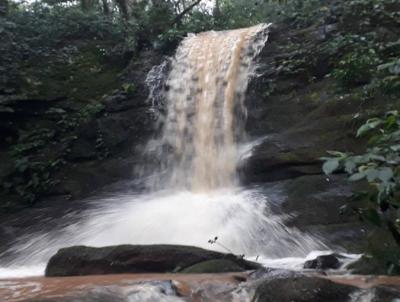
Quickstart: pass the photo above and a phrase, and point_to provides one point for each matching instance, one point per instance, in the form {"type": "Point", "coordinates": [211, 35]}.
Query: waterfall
{"type": "Point", "coordinates": [194, 195]}
{"type": "Point", "coordinates": [206, 89]}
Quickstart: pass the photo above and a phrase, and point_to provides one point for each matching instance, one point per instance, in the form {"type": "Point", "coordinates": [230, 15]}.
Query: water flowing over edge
{"type": "Point", "coordinates": [192, 208]}
{"type": "Point", "coordinates": [205, 116]}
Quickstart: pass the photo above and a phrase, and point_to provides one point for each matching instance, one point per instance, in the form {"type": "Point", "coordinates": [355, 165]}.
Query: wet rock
{"type": "Point", "coordinates": [149, 291]}
{"type": "Point", "coordinates": [314, 204]}
{"type": "Point", "coordinates": [114, 130]}
{"type": "Point", "coordinates": [96, 295]}
{"type": "Point", "coordinates": [82, 260]}
{"type": "Point", "coordinates": [214, 266]}
{"type": "Point", "coordinates": [118, 102]}
{"type": "Point", "coordinates": [81, 150]}
{"type": "Point", "coordinates": [301, 288]}
{"type": "Point", "coordinates": [288, 286]}
{"type": "Point", "coordinates": [84, 177]}
{"type": "Point", "coordinates": [128, 288]}
{"type": "Point", "coordinates": [323, 262]}
{"type": "Point", "coordinates": [272, 161]}
{"type": "Point", "coordinates": [7, 165]}
{"type": "Point", "coordinates": [368, 265]}
{"type": "Point", "coordinates": [383, 294]}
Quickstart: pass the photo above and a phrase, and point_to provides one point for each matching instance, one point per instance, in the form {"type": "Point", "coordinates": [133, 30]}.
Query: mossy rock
{"type": "Point", "coordinates": [367, 265]}
{"type": "Point", "coordinates": [382, 256]}
{"type": "Point", "coordinates": [213, 266]}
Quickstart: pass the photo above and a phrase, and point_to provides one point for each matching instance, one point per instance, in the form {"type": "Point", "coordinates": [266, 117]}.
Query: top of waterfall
{"type": "Point", "coordinates": [261, 27]}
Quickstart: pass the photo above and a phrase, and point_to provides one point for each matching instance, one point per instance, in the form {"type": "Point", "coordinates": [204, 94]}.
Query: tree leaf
{"type": "Point", "coordinates": [330, 165]}
{"type": "Point", "coordinates": [371, 174]}
{"type": "Point", "coordinates": [385, 174]}
{"type": "Point", "coordinates": [357, 176]}
{"type": "Point", "coordinates": [349, 166]}
{"type": "Point", "coordinates": [370, 124]}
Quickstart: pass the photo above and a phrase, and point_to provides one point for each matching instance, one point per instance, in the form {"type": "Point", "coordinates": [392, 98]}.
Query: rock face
{"type": "Point", "coordinates": [82, 260]}
{"type": "Point", "coordinates": [295, 115]}
{"type": "Point", "coordinates": [83, 140]}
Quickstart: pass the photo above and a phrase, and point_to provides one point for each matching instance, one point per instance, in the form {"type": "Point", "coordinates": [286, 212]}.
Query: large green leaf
{"type": "Point", "coordinates": [370, 124]}
{"type": "Point", "coordinates": [357, 176]}
{"type": "Point", "coordinates": [385, 174]}
{"type": "Point", "coordinates": [330, 165]}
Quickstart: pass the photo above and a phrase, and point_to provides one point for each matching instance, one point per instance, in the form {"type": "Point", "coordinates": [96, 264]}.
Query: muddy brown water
{"type": "Point", "coordinates": [186, 286]}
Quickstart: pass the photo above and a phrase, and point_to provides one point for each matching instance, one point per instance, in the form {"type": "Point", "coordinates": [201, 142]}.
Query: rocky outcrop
{"type": "Point", "coordinates": [295, 115]}
{"type": "Point", "coordinates": [285, 286]}
{"type": "Point", "coordinates": [295, 109]}
{"type": "Point", "coordinates": [77, 140]}
{"type": "Point", "coordinates": [323, 262]}
{"type": "Point", "coordinates": [82, 260]}
{"type": "Point", "coordinates": [301, 288]}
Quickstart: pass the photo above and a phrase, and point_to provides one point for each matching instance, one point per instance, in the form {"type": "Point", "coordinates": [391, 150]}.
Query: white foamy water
{"type": "Point", "coordinates": [240, 219]}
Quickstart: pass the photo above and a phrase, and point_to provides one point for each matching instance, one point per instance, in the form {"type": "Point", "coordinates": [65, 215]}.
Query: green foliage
{"type": "Point", "coordinates": [35, 163]}
{"type": "Point", "coordinates": [379, 166]}
{"type": "Point", "coordinates": [356, 68]}
{"type": "Point", "coordinates": [37, 34]}
{"type": "Point", "coordinates": [32, 169]}
{"type": "Point", "coordinates": [390, 76]}
{"type": "Point", "coordinates": [364, 14]}
{"type": "Point", "coordinates": [365, 60]}
{"type": "Point", "coordinates": [194, 23]}
{"type": "Point", "coordinates": [42, 26]}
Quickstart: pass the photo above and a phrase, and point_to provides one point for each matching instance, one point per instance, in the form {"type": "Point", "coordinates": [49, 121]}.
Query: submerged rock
{"type": "Point", "coordinates": [82, 260]}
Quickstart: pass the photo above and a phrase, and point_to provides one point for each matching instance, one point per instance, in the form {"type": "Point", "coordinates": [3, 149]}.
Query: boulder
{"type": "Point", "coordinates": [214, 266]}
{"type": "Point", "coordinates": [286, 286]}
{"type": "Point", "coordinates": [323, 262]}
{"type": "Point", "coordinates": [82, 260]}
{"type": "Point", "coordinates": [297, 287]}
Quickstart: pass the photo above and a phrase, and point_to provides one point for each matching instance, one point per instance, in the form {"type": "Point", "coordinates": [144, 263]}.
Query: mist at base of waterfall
{"type": "Point", "coordinates": [240, 218]}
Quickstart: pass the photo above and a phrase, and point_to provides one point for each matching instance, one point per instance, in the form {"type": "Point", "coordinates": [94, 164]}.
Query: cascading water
{"type": "Point", "coordinates": [207, 83]}
{"type": "Point", "coordinates": [194, 196]}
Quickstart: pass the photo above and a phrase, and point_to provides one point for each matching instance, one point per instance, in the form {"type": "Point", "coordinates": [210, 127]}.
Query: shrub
{"type": "Point", "coordinates": [379, 166]}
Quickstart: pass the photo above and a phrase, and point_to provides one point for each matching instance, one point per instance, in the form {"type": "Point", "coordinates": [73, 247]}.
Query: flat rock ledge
{"type": "Point", "coordinates": [83, 260]}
